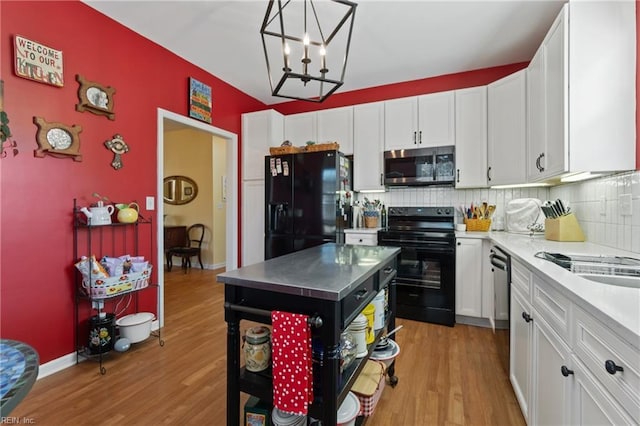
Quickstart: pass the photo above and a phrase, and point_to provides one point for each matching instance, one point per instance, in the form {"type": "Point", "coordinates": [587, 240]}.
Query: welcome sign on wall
{"type": "Point", "coordinates": [38, 62]}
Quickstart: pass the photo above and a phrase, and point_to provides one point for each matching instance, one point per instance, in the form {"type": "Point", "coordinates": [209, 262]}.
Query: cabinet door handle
{"type": "Point", "coordinates": [565, 371]}
{"type": "Point", "coordinates": [381, 179]}
{"type": "Point", "coordinates": [611, 367]}
{"type": "Point", "coordinates": [540, 162]}
{"type": "Point", "coordinates": [526, 317]}
{"type": "Point", "coordinates": [415, 140]}
{"type": "Point", "coordinates": [361, 294]}
{"type": "Point", "coordinates": [458, 175]}
{"type": "Point", "coordinates": [459, 244]}
{"type": "Point", "coordinates": [420, 137]}
{"type": "Point", "coordinates": [489, 174]}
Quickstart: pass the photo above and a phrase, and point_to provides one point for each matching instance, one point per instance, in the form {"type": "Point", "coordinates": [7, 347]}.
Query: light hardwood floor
{"type": "Point", "coordinates": [447, 376]}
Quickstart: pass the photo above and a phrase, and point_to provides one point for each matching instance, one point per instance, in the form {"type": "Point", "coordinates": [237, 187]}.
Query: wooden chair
{"type": "Point", "coordinates": [195, 235]}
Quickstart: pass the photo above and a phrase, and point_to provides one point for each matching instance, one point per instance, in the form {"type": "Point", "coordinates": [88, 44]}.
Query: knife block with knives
{"type": "Point", "coordinates": [563, 228]}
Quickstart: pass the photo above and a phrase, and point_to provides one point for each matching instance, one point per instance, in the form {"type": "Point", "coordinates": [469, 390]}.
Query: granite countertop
{"type": "Point", "coordinates": [329, 271]}
{"type": "Point", "coordinates": [616, 306]}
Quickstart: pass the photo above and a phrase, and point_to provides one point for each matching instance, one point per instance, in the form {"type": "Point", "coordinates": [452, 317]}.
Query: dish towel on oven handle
{"type": "Point", "coordinates": [291, 362]}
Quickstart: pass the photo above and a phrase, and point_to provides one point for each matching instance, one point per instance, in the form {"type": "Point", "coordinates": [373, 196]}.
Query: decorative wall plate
{"type": "Point", "coordinates": [95, 97]}
{"type": "Point", "coordinates": [57, 139]}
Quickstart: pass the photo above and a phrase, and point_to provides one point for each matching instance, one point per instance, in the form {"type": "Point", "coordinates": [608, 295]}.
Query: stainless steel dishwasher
{"type": "Point", "coordinates": [501, 269]}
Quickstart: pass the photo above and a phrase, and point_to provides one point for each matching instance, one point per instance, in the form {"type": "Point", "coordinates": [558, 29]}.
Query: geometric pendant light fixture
{"type": "Point", "coordinates": [306, 46]}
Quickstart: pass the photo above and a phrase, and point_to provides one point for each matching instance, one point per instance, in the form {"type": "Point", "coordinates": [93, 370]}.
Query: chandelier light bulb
{"type": "Point", "coordinates": [287, 51]}
{"type": "Point", "coordinates": [323, 59]}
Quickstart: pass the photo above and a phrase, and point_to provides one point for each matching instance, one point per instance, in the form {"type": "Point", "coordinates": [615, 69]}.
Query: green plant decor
{"type": "Point", "coordinates": [5, 134]}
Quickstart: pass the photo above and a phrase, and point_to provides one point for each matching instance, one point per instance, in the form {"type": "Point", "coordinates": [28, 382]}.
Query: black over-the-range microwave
{"type": "Point", "coordinates": [420, 166]}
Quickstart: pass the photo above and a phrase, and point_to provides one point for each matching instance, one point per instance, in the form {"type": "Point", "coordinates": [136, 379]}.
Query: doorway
{"type": "Point", "coordinates": [167, 119]}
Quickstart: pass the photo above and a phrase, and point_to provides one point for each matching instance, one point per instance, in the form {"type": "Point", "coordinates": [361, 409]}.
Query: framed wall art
{"type": "Point", "coordinates": [200, 103]}
{"type": "Point", "coordinates": [95, 97]}
{"type": "Point", "coordinates": [57, 139]}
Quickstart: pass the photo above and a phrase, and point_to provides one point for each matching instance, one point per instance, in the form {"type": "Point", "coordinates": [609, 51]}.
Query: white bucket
{"type": "Point", "coordinates": [378, 316]}
{"type": "Point", "coordinates": [135, 327]}
{"type": "Point", "coordinates": [282, 418]}
{"type": "Point", "coordinates": [348, 410]}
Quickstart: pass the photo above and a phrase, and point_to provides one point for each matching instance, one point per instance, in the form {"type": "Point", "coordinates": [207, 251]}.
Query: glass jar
{"type": "Point", "coordinates": [348, 350]}
{"type": "Point", "coordinates": [257, 349]}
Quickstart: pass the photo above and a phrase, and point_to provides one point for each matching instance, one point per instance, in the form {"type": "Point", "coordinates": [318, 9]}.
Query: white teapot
{"type": "Point", "coordinates": [100, 215]}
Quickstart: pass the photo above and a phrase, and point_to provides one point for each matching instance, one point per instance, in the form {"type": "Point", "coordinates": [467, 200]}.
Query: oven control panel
{"type": "Point", "coordinates": [422, 211]}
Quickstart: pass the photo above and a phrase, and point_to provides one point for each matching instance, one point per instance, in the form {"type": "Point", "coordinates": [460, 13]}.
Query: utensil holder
{"type": "Point", "coordinates": [564, 228]}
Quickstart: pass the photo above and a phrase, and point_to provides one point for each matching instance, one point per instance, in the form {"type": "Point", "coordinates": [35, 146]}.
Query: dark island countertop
{"type": "Point", "coordinates": [329, 272]}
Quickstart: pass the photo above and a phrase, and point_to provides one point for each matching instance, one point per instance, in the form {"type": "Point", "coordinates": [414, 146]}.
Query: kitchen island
{"type": "Point", "coordinates": [331, 284]}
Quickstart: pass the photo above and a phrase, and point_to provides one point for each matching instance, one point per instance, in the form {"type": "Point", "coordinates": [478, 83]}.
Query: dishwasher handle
{"type": "Point", "coordinates": [498, 261]}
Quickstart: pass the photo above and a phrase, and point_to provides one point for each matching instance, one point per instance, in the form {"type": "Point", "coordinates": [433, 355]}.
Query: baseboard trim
{"type": "Point", "coordinates": [56, 365]}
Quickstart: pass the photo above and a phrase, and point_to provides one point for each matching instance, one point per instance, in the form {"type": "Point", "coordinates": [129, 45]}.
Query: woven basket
{"type": "Point", "coordinates": [322, 147]}
{"type": "Point", "coordinates": [478, 224]}
{"type": "Point", "coordinates": [371, 221]}
{"type": "Point", "coordinates": [282, 150]}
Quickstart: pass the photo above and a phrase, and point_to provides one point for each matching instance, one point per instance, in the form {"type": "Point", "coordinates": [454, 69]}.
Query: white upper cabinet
{"type": "Point", "coordinates": [336, 125]}
{"type": "Point", "coordinates": [581, 111]}
{"type": "Point", "coordinates": [401, 123]}
{"type": "Point", "coordinates": [368, 146]}
{"type": "Point", "coordinates": [300, 128]}
{"type": "Point", "coordinates": [471, 137]}
{"type": "Point", "coordinates": [260, 130]}
{"type": "Point", "coordinates": [420, 121]}
{"type": "Point", "coordinates": [436, 119]}
{"type": "Point", "coordinates": [507, 130]}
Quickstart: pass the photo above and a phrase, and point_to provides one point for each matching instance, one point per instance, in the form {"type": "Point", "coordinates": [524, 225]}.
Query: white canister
{"type": "Point", "coordinates": [282, 418]}
{"type": "Point", "coordinates": [378, 316]}
{"type": "Point", "coordinates": [358, 328]}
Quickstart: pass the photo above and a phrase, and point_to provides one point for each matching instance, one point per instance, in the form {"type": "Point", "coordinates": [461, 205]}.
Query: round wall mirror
{"type": "Point", "coordinates": [179, 190]}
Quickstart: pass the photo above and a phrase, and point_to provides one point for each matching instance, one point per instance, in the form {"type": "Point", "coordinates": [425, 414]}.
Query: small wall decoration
{"type": "Point", "coordinates": [5, 132]}
{"type": "Point", "coordinates": [118, 146]}
{"type": "Point", "coordinates": [37, 62]}
{"type": "Point", "coordinates": [199, 100]}
{"type": "Point", "coordinates": [57, 139]}
{"type": "Point", "coordinates": [95, 97]}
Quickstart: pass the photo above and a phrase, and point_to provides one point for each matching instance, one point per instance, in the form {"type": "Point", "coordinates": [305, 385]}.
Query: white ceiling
{"type": "Point", "coordinates": [393, 41]}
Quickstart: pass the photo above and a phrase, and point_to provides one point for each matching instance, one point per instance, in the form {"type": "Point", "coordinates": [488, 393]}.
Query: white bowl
{"type": "Point", "coordinates": [348, 410]}
{"type": "Point", "coordinates": [461, 227]}
{"type": "Point", "coordinates": [388, 354]}
{"type": "Point", "coordinates": [135, 327]}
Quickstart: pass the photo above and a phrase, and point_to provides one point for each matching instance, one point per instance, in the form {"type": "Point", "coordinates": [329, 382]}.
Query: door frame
{"type": "Point", "coordinates": [231, 139]}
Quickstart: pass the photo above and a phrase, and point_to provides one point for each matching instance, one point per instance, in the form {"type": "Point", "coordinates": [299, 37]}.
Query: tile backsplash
{"type": "Point", "coordinates": [596, 204]}
{"type": "Point", "coordinates": [447, 196]}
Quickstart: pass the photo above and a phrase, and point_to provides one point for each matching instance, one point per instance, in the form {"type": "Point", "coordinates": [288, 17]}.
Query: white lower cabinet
{"type": "Point", "coordinates": [567, 367]}
{"type": "Point", "coordinates": [469, 277]}
{"type": "Point", "coordinates": [361, 237]}
{"type": "Point", "coordinates": [551, 396]}
{"type": "Point", "coordinates": [520, 362]}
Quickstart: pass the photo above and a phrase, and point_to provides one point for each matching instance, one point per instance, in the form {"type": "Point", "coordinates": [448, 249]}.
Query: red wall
{"type": "Point", "coordinates": [37, 194]}
{"type": "Point", "coordinates": [409, 88]}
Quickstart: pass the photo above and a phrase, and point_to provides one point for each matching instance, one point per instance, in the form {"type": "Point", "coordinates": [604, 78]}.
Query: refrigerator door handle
{"type": "Point", "coordinates": [277, 212]}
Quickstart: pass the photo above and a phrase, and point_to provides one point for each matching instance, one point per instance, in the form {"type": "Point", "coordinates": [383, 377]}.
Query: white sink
{"type": "Point", "coordinates": [619, 280]}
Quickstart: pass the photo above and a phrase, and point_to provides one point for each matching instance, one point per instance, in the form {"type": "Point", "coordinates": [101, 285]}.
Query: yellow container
{"type": "Point", "coordinates": [369, 312]}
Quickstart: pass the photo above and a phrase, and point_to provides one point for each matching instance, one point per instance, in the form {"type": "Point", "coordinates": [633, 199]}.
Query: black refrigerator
{"type": "Point", "coordinates": [307, 197]}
